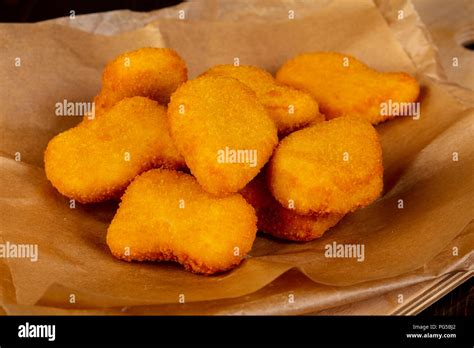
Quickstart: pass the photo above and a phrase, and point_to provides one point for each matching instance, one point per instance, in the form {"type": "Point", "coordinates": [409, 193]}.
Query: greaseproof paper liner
{"type": "Point", "coordinates": [59, 63]}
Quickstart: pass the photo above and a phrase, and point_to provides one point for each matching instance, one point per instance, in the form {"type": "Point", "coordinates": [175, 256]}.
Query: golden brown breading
{"type": "Point", "coordinates": [223, 132]}
{"type": "Point", "coordinates": [289, 108]}
{"type": "Point", "coordinates": [282, 222]}
{"type": "Point", "coordinates": [331, 167]}
{"type": "Point", "coordinates": [148, 72]}
{"type": "Point", "coordinates": [95, 161]}
{"type": "Point", "coordinates": [166, 216]}
{"type": "Point", "coordinates": [102, 102]}
{"type": "Point", "coordinates": [343, 86]}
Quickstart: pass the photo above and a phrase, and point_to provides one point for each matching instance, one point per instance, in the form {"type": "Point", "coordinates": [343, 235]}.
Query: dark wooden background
{"type": "Point", "coordinates": [38, 10]}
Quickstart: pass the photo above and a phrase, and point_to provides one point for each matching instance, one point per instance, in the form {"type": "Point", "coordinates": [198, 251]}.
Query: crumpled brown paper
{"type": "Point", "coordinates": [402, 246]}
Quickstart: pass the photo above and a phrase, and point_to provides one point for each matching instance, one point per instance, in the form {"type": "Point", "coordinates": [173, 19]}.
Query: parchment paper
{"type": "Point", "coordinates": [60, 62]}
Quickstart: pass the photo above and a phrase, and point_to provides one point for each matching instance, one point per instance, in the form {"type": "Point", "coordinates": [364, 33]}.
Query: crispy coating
{"type": "Point", "coordinates": [281, 222]}
{"type": "Point", "coordinates": [222, 131]}
{"type": "Point", "coordinates": [331, 167]}
{"type": "Point", "coordinates": [148, 72]}
{"type": "Point", "coordinates": [289, 108]}
{"type": "Point", "coordinates": [353, 90]}
{"type": "Point", "coordinates": [166, 216]}
{"type": "Point", "coordinates": [103, 102]}
{"type": "Point", "coordinates": [95, 161]}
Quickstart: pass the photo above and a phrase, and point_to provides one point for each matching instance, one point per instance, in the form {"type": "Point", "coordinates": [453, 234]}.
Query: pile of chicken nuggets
{"type": "Point", "coordinates": [199, 166]}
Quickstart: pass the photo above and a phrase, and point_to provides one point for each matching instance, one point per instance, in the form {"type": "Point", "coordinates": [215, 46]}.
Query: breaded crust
{"type": "Point", "coordinates": [289, 108]}
{"type": "Point", "coordinates": [283, 222]}
{"type": "Point", "coordinates": [223, 132]}
{"type": "Point", "coordinates": [344, 86]}
{"type": "Point", "coordinates": [97, 159]}
{"type": "Point", "coordinates": [149, 72]}
{"type": "Point", "coordinates": [166, 216]}
{"type": "Point", "coordinates": [331, 167]}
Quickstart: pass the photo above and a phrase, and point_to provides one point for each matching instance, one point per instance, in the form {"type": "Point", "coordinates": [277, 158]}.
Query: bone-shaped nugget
{"type": "Point", "coordinates": [343, 86]}
{"type": "Point", "coordinates": [224, 134]}
{"type": "Point", "coordinates": [166, 216]}
{"type": "Point", "coordinates": [96, 160]}
{"type": "Point", "coordinates": [289, 108]}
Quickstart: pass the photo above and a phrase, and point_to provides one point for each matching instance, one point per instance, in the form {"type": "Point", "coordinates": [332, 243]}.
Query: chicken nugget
{"type": "Point", "coordinates": [331, 167]}
{"type": "Point", "coordinates": [102, 102]}
{"type": "Point", "coordinates": [166, 216]}
{"type": "Point", "coordinates": [224, 134]}
{"type": "Point", "coordinates": [343, 86]}
{"type": "Point", "coordinates": [289, 108]}
{"type": "Point", "coordinates": [96, 161]}
{"type": "Point", "coordinates": [148, 72]}
{"type": "Point", "coordinates": [281, 222]}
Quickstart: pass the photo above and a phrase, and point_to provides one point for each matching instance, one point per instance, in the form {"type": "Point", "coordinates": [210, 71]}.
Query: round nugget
{"type": "Point", "coordinates": [148, 72]}
{"type": "Point", "coordinates": [166, 216]}
{"type": "Point", "coordinates": [284, 222]}
{"type": "Point", "coordinates": [223, 132]}
{"type": "Point", "coordinates": [331, 167]}
{"type": "Point", "coordinates": [344, 86]}
{"type": "Point", "coordinates": [96, 160]}
{"type": "Point", "coordinates": [289, 108]}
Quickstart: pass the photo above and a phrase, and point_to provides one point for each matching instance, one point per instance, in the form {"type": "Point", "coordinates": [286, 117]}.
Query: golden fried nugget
{"type": "Point", "coordinates": [282, 222]}
{"type": "Point", "coordinates": [331, 167]}
{"type": "Point", "coordinates": [166, 216]}
{"type": "Point", "coordinates": [148, 72]}
{"type": "Point", "coordinates": [223, 132]}
{"type": "Point", "coordinates": [102, 102]}
{"type": "Point", "coordinates": [96, 161]}
{"type": "Point", "coordinates": [343, 86]}
{"type": "Point", "coordinates": [289, 108]}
